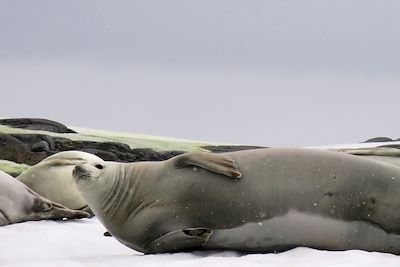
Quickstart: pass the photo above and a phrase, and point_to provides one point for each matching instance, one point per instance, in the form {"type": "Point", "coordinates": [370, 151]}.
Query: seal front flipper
{"type": "Point", "coordinates": [213, 162]}
{"type": "Point", "coordinates": [180, 240]}
{"type": "Point", "coordinates": [375, 151]}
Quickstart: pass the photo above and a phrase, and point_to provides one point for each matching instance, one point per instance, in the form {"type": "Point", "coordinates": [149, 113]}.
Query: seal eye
{"type": "Point", "coordinates": [99, 166]}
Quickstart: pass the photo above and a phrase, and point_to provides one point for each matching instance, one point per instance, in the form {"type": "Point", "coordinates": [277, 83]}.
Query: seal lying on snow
{"type": "Point", "coordinates": [18, 203]}
{"type": "Point", "coordinates": [272, 200]}
{"type": "Point", "coordinates": [52, 178]}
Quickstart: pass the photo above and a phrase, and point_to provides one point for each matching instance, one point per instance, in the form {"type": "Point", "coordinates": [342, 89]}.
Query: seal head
{"type": "Point", "coordinates": [87, 171]}
{"type": "Point", "coordinates": [19, 203]}
{"type": "Point", "coordinates": [52, 178]}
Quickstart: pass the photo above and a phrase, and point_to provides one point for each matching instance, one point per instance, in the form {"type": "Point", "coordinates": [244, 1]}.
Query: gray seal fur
{"type": "Point", "coordinates": [18, 203]}
{"type": "Point", "coordinates": [262, 200]}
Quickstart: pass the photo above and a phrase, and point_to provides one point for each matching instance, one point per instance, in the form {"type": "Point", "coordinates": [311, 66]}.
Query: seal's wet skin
{"type": "Point", "coordinates": [18, 203]}
{"type": "Point", "coordinates": [260, 200]}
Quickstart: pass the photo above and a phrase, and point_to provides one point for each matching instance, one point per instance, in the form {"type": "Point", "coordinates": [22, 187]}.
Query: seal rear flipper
{"type": "Point", "coordinates": [180, 240]}
{"type": "Point", "coordinates": [55, 211]}
{"type": "Point", "coordinates": [46, 209]}
{"type": "Point", "coordinates": [87, 210]}
{"type": "Point", "coordinates": [213, 162]}
{"type": "Point", "coordinates": [3, 219]}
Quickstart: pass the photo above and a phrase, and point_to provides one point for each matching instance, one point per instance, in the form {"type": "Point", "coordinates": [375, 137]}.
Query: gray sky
{"type": "Point", "coordinates": [276, 73]}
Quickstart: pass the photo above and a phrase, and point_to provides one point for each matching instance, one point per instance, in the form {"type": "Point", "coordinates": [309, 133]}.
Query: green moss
{"type": "Point", "coordinates": [12, 168]}
{"type": "Point", "coordinates": [133, 140]}
{"type": "Point", "coordinates": [143, 141]}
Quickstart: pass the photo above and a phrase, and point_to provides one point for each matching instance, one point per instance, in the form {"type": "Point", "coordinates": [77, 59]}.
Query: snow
{"type": "Point", "coordinates": [81, 243]}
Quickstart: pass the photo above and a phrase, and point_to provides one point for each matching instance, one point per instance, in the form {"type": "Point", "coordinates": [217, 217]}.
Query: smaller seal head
{"type": "Point", "coordinates": [52, 177]}
{"type": "Point", "coordinates": [87, 171]}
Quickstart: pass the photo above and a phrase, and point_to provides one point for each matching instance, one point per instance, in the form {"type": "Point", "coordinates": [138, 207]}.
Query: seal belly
{"type": "Point", "coordinates": [305, 229]}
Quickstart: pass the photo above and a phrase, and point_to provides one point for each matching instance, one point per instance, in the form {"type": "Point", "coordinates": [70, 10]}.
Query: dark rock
{"type": "Point", "coordinates": [113, 151]}
{"type": "Point", "coordinates": [221, 149]}
{"type": "Point", "coordinates": [147, 154]}
{"type": "Point", "coordinates": [32, 148]}
{"type": "Point", "coordinates": [105, 155]}
{"type": "Point", "coordinates": [37, 124]}
{"type": "Point", "coordinates": [379, 139]}
{"type": "Point", "coordinates": [40, 146]}
{"type": "Point", "coordinates": [18, 148]}
{"type": "Point", "coordinates": [13, 174]}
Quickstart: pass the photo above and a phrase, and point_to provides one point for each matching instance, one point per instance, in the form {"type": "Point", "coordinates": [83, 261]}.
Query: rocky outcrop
{"type": "Point", "coordinates": [22, 148]}
{"type": "Point", "coordinates": [227, 148]}
{"type": "Point", "coordinates": [379, 139]}
{"type": "Point", "coordinates": [36, 124]}
{"type": "Point", "coordinates": [32, 148]}
{"type": "Point", "coordinates": [113, 151]}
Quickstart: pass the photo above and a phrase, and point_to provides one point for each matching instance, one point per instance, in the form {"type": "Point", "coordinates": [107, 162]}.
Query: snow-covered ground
{"type": "Point", "coordinates": [81, 243]}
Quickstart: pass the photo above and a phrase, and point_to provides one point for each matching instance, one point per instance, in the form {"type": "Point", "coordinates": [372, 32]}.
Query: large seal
{"type": "Point", "coordinates": [52, 178]}
{"type": "Point", "coordinates": [256, 200]}
{"type": "Point", "coordinates": [18, 203]}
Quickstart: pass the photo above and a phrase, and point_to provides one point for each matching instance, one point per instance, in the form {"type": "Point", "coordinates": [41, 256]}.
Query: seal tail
{"type": "Point", "coordinates": [46, 209]}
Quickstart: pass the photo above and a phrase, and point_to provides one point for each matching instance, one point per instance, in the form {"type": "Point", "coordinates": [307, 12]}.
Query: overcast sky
{"type": "Point", "coordinates": [274, 73]}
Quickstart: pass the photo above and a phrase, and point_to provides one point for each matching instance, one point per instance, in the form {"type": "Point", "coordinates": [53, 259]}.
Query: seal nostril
{"type": "Point", "coordinates": [78, 170]}
{"type": "Point", "coordinates": [99, 166]}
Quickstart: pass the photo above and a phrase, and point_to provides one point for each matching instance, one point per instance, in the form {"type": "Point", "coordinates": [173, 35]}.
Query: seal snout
{"type": "Point", "coordinates": [80, 172]}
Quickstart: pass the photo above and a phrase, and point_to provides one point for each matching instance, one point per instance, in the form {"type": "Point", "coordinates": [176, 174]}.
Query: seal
{"type": "Point", "coordinates": [262, 200]}
{"type": "Point", "coordinates": [52, 178]}
{"type": "Point", "coordinates": [18, 203]}
{"type": "Point", "coordinates": [389, 155]}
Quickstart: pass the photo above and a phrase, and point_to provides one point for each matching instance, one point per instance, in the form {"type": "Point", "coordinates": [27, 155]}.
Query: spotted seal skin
{"type": "Point", "coordinates": [18, 203]}
{"type": "Point", "coordinates": [52, 178]}
{"type": "Point", "coordinates": [263, 200]}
